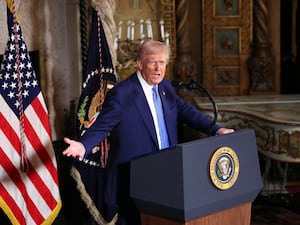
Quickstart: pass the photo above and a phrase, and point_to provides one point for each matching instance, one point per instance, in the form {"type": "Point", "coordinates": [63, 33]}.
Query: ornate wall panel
{"type": "Point", "coordinates": [227, 38]}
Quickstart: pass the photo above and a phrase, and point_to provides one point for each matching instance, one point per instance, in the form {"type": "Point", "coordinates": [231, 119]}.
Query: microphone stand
{"type": "Point", "coordinates": [193, 85]}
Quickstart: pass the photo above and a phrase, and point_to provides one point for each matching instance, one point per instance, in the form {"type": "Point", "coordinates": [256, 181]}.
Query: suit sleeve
{"type": "Point", "coordinates": [108, 118]}
{"type": "Point", "coordinates": [189, 114]}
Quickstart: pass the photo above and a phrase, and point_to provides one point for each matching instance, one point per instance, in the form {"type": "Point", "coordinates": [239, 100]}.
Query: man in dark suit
{"type": "Point", "coordinates": [128, 115]}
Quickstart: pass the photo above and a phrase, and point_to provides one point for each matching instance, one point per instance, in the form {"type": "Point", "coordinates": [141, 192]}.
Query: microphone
{"type": "Point", "coordinates": [193, 85]}
{"type": "Point", "coordinates": [178, 84]}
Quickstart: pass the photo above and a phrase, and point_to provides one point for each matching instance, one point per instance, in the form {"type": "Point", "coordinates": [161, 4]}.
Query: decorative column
{"type": "Point", "coordinates": [261, 63]}
{"type": "Point", "coordinates": [185, 68]}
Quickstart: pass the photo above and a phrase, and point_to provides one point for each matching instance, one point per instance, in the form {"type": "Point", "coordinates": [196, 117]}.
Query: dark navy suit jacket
{"type": "Point", "coordinates": [127, 117]}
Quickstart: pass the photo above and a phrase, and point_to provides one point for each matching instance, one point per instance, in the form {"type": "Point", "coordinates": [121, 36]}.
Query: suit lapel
{"type": "Point", "coordinates": [169, 114]}
{"type": "Point", "coordinates": [162, 93]}
{"type": "Point", "coordinates": [144, 110]}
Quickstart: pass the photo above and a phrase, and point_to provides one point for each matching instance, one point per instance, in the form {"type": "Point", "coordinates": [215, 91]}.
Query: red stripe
{"type": "Point", "coordinates": [41, 187]}
{"type": "Point", "coordinates": [40, 149]}
{"type": "Point", "coordinates": [11, 203]}
{"type": "Point", "coordinates": [9, 132]}
{"type": "Point", "coordinates": [14, 175]}
{"type": "Point", "coordinates": [44, 119]}
{"type": "Point", "coordinates": [34, 177]}
{"type": "Point", "coordinates": [43, 115]}
{"type": "Point", "coordinates": [46, 161]}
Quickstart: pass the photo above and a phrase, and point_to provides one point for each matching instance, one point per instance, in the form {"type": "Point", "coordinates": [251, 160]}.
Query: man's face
{"type": "Point", "coordinates": [153, 68]}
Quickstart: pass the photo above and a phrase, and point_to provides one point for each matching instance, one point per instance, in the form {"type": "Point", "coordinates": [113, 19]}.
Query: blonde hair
{"type": "Point", "coordinates": [152, 47]}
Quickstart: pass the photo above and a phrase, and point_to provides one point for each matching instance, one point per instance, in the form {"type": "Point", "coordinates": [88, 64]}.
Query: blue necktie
{"type": "Point", "coordinates": [160, 119]}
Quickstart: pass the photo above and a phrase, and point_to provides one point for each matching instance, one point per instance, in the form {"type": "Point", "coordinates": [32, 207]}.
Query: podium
{"type": "Point", "coordinates": [212, 181]}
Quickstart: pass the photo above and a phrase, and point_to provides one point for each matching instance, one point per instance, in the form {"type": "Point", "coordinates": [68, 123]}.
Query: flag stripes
{"type": "Point", "coordinates": [39, 188]}
{"type": "Point", "coordinates": [20, 193]}
{"type": "Point", "coordinates": [10, 204]}
{"type": "Point", "coordinates": [28, 196]}
{"type": "Point", "coordinates": [34, 133]}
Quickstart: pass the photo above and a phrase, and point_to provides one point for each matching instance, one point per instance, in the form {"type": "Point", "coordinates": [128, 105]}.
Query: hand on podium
{"type": "Point", "coordinates": [223, 130]}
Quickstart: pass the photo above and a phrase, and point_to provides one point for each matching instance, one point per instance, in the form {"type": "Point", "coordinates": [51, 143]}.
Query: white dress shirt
{"type": "Point", "coordinates": [149, 96]}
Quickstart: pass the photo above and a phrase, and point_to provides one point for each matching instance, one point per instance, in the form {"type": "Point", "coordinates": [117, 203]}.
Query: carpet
{"type": "Point", "coordinates": [276, 210]}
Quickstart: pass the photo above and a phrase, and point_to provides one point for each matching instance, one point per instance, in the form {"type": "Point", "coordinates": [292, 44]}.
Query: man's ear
{"type": "Point", "coordinates": [139, 65]}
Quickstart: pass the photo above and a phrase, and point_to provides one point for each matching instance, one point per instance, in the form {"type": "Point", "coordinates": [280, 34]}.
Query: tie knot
{"type": "Point", "coordinates": [155, 92]}
{"type": "Point", "coordinates": [154, 88]}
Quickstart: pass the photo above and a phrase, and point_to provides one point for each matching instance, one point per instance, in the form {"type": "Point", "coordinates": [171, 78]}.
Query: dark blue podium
{"type": "Point", "coordinates": [213, 181]}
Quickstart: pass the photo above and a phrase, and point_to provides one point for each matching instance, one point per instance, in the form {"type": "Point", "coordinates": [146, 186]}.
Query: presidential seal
{"type": "Point", "coordinates": [224, 168]}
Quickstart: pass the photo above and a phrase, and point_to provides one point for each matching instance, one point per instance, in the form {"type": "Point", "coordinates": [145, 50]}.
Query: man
{"type": "Point", "coordinates": [129, 115]}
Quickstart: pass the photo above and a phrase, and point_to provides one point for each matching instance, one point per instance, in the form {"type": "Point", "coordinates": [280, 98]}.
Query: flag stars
{"type": "Point", "coordinates": [23, 56]}
{"type": "Point", "coordinates": [28, 74]}
{"type": "Point", "coordinates": [8, 66]}
{"type": "Point", "coordinates": [27, 84]}
{"type": "Point", "coordinates": [25, 93]}
{"type": "Point", "coordinates": [34, 83]}
{"type": "Point", "coordinates": [15, 27]}
{"type": "Point", "coordinates": [92, 74]}
{"type": "Point", "coordinates": [10, 57]}
{"type": "Point", "coordinates": [5, 85]}
{"type": "Point", "coordinates": [11, 95]}
{"type": "Point", "coordinates": [19, 66]}
{"type": "Point", "coordinates": [107, 70]}
{"type": "Point", "coordinates": [6, 76]}
{"type": "Point", "coordinates": [29, 65]}
{"type": "Point", "coordinates": [15, 76]}
{"type": "Point", "coordinates": [17, 104]}
{"type": "Point", "coordinates": [13, 85]}
{"type": "Point", "coordinates": [15, 32]}
{"type": "Point", "coordinates": [12, 37]}
{"type": "Point", "coordinates": [89, 76]}
{"type": "Point", "coordinates": [23, 47]}
{"type": "Point", "coordinates": [12, 47]}
{"type": "Point", "coordinates": [16, 66]}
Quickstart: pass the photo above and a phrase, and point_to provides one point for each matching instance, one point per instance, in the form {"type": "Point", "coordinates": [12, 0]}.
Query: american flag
{"type": "Point", "coordinates": [29, 186]}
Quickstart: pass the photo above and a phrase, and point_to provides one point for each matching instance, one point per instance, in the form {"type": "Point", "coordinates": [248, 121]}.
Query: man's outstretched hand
{"type": "Point", "coordinates": [75, 149]}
